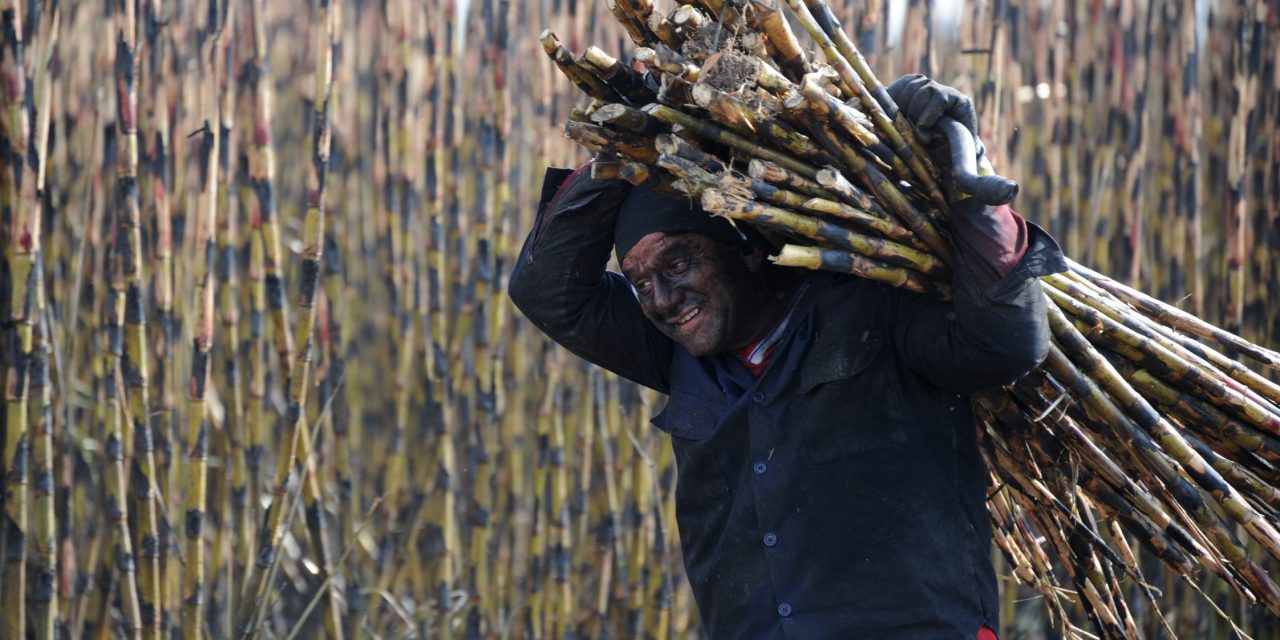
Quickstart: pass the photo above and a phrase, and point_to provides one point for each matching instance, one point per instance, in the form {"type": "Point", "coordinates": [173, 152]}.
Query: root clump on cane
{"type": "Point", "coordinates": [731, 71]}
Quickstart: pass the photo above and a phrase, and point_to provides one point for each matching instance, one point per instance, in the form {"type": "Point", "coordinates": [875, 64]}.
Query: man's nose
{"type": "Point", "coordinates": [666, 297]}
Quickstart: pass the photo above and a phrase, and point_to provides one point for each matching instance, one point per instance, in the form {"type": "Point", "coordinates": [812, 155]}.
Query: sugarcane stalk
{"type": "Point", "coordinates": [1179, 319]}
{"type": "Point", "coordinates": [605, 170]}
{"type": "Point", "coordinates": [1145, 419]}
{"type": "Point", "coordinates": [202, 343]}
{"type": "Point", "coordinates": [874, 93]}
{"type": "Point", "coordinates": [723, 203]}
{"type": "Point", "coordinates": [1239, 476]}
{"type": "Point", "coordinates": [829, 108]}
{"type": "Point", "coordinates": [788, 53]}
{"type": "Point", "coordinates": [898, 134]}
{"type": "Point", "coordinates": [751, 122]}
{"type": "Point", "coordinates": [633, 120]}
{"type": "Point", "coordinates": [775, 174]}
{"type": "Point", "coordinates": [601, 138]}
{"type": "Point", "coordinates": [274, 524]}
{"type": "Point", "coordinates": [831, 179]}
{"type": "Point", "coordinates": [665, 30]}
{"type": "Point", "coordinates": [582, 76]}
{"type": "Point", "coordinates": [633, 15]}
{"type": "Point", "coordinates": [621, 78]}
{"type": "Point", "coordinates": [1201, 416]}
{"type": "Point", "coordinates": [134, 365]}
{"type": "Point", "coordinates": [1105, 469]}
{"type": "Point", "coordinates": [673, 145]}
{"type": "Point", "coordinates": [861, 220]}
{"type": "Point", "coordinates": [44, 591]}
{"type": "Point", "coordinates": [1264, 391]}
{"type": "Point", "coordinates": [669, 63]}
{"type": "Point", "coordinates": [690, 18]}
{"type": "Point", "coordinates": [21, 252]}
{"type": "Point", "coordinates": [885, 191]}
{"type": "Point", "coordinates": [840, 261]}
{"type": "Point", "coordinates": [1191, 539]}
{"type": "Point", "coordinates": [157, 155]}
{"type": "Point", "coordinates": [240, 519]}
{"type": "Point", "coordinates": [116, 508]}
{"type": "Point", "coordinates": [1031, 484]}
{"type": "Point", "coordinates": [716, 133]}
{"type": "Point", "coordinates": [1208, 384]}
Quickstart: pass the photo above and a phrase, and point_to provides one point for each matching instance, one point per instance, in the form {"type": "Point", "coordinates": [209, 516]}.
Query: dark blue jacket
{"type": "Point", "coordinates": [841, 493]}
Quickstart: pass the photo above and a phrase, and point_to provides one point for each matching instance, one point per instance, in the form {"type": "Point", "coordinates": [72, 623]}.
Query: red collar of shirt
{"type": "Point", "coordinates": [755, 356]}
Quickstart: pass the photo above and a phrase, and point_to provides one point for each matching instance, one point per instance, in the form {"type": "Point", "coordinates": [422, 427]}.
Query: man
{"type": "Point", "coordinates": [829, 481]}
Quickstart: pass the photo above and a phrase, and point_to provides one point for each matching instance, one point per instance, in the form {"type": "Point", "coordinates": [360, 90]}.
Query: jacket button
{"type": "Point", "coordinates": [770, 539]}
{"type": "Point", "coordinates": [759, 468]}
{"type": "Point", "coordinates": [784, 609]}
{"type": "Point", "coordinates": [758, 396]}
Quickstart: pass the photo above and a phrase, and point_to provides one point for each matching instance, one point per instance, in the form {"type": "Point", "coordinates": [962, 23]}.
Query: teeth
{"type": "Point", "coordinates": [688, 316]}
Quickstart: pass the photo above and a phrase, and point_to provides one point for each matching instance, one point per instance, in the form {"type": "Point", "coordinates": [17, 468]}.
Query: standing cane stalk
{"type": "Point", "coordinates": [22, 252]}
{"type": "Point", "coordinates": [40, 414]}
{"type": "Point", "coordinates": [134, 364]}
{"type": "Point", "coordinates": [295, 420]}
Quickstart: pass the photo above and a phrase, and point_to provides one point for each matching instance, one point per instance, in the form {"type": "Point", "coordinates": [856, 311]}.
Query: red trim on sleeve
{"type": "Point", "coordinates": [544, 218]}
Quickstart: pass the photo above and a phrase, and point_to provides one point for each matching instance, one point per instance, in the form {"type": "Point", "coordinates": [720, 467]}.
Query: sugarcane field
{"type": "Point", "coordinates": [369, 319]}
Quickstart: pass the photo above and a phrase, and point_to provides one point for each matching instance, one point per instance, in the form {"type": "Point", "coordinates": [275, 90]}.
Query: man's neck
{"type": "Point", "coordinates": [756, 354]}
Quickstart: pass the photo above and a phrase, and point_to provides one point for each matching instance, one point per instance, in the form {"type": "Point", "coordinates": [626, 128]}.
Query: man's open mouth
{"type": "Point", "coordinates": [687, 317]}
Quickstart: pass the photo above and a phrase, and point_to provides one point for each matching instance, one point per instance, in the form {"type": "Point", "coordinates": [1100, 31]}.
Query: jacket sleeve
{"type": "Point", "coordinates": [995, 328]}
{"type": "Point", "coordinates": [560, 281]}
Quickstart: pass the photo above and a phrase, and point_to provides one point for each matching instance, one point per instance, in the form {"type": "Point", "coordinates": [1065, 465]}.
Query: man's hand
{"type": "Point", "coordinates": [935, 108]}
{"type": "Point", "coordinates": [924, 101]}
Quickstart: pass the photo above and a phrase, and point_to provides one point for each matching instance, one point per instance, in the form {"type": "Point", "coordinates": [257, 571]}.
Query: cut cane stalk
{"type": "Point", "coordinates": [1086, 390]}
{"type": "Point", "coordinates": [789, 55]}
{"type": "Point", "coordinates": [666, 61]}
{"type": "Point", "coordinates": [861, 220]}
{"type": "Point", "coordinates": [853, 87]}
{"type": "Point", "coordinates": [734, 113]}
{"type": "Point", "coordinates": [775, 174]}
{"type": "Point", "coordinates": [1266, 391]}
{"type": "Point", "coordinates": [620, 77]}
{"type": "Point", "coordinates": [716, 133]}
{"type": "Point", "coordinates": [1206, 384]}
{"type": "Point", "coordinates": [839, 261]}
{"type": "Point", "coordinates": [581, 76]}
{"type": "Point", "coordinates": [1171, 443]}
{"type": "Point", "coordinates": [676, 146]}
{"type": "Point", "coordinates": [633, 120]}
{"type": "Point", "coordinates": [665, 30]}
{"type": "Point", "coordinates": [602, 138]}
{"type": "Point", "coordinates": [717, 202]}
{"type": "Point", "coordinates": [1179, 319]}
{"type": "Point", "coordinates": [886, 192]}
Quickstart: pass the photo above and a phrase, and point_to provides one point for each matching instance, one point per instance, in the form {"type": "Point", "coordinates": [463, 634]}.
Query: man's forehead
{"type": "Point", "coordinates": [659, 245]}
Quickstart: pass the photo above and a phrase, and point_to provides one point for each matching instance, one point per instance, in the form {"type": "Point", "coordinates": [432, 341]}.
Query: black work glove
{"type": "Point", "coordinates": [928, 104]}
{"type": "Point", "coordinates": [923, 101]}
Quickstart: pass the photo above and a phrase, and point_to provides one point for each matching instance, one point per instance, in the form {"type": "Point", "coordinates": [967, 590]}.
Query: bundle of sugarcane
{"type": "Point", "coordinates": [1139, 427]}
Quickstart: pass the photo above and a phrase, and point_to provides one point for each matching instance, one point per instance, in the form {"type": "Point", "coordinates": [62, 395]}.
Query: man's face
{"type": "Point", "coordinates": [695, 290]}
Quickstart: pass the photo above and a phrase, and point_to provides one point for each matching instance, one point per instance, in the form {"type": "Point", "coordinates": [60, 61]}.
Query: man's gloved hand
{"type": "Point", "coordinates": [991, 238]}
{"type": "Point", "coordinates": [934, 108]}
{"type": "Point", "coordinates": [923, 101]}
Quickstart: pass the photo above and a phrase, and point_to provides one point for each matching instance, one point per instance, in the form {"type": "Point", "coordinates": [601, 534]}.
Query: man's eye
{"type": "Point", "coordinates": [679, 266]}
{"type": "Point", "coordinates": [643, 287]}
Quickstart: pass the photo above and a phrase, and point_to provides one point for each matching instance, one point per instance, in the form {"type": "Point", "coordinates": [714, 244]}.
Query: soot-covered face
{"type": "Point", "coordinates": [698, 292]}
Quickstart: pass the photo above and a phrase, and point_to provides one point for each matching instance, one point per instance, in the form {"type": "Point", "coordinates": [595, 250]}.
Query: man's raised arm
{"type": "Point", "coordinates": [561, 284]}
